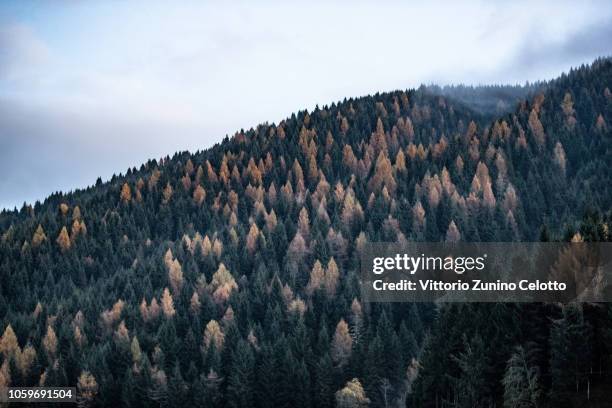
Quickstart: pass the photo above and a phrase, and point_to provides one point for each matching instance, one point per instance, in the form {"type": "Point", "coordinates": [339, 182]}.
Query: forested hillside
{"type": "Point", "coordinates": [229, 277]}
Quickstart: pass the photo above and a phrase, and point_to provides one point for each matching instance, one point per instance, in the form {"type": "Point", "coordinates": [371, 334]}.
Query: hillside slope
{"type": "Point", "coordinates": [229, 276]}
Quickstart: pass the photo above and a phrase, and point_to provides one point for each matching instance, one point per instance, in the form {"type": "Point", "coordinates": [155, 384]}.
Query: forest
{"type": "Point", "coordinates": [229, 277]}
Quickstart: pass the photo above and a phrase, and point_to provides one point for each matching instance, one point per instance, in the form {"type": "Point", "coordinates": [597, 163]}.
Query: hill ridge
{"type": "Point", "coordinates": [200, 270]}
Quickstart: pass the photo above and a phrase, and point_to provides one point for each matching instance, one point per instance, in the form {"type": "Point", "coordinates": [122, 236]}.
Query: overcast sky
{"type": "Point", "coordinates": [89, 89]}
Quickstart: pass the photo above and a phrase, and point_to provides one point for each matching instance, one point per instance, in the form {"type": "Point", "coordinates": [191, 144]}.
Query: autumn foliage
{"type": "Point", "coordinates": [230, 276]}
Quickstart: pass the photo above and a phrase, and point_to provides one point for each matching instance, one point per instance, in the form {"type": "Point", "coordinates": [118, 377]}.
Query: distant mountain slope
{"type": "Point", "coordinates": [229, 276]}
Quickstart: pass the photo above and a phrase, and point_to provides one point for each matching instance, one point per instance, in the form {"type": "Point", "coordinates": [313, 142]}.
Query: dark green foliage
{"type": "Point", "coordinates": [272, 340]}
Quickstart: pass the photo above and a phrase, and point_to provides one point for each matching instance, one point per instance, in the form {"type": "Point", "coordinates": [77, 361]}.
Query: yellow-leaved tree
{"type": "Point", "coordinates": [126, 193]}
{"type": "Point", "coordinates": [87, 389]}
{"type": "Point", "coordinates": [213, 334]}
{"type": "Point", "coordinates": [352, 395]}
{"type": "Point", "coordinates": [167, 304]}
{"type": "Point", "coordinates": [39, 236]}
{"type": "Point", "coordinates": [342, 344]}
{"type": "Point", "coordinates": [222, 284]}
{"type": "Point", "coordinates": [63, 240]}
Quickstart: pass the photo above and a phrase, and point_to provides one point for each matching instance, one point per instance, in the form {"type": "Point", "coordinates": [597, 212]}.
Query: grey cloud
{"type": "Point", "coordinates": [538, 57]}
{"type": "Point", "coordinates": [587, 43]}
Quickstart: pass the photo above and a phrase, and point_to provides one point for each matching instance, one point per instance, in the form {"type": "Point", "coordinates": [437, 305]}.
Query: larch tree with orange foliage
{"type": "Point", "coordinates": [126, 193]}
{"type": "Point", "coordinates": [63, 240]}
{"type": "Point", "coordinates": [383, 176]}
{"type": "Point", "coordinates": [167, 304]}
{"type": "Point", "coordinates": [342, 344]}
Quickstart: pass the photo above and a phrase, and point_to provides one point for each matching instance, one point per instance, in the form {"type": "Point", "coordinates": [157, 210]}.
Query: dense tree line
{"type": "Point", "coordinates": [228, 277]}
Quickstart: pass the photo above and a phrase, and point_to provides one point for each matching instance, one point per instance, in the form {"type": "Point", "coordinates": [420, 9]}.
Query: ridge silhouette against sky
{"type": "Point", "coordinates": [89, 89]}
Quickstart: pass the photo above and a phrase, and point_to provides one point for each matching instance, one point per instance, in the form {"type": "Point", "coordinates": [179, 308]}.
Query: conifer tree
{"type": "Point", "coordinates": [332, 276]}
{"type": "Point", "coordinates": [536, 127]}
{"type": "Point", "coordinates": [50, 343]}
{"type": "Point", "coordinates": [199, 195]}
{"type": "Point", "coordinates": [522, 388]}
{"type": "Point", "coordinates": [87, 389]}
{"type": "Point", "coordinates": [452, 234]}
{"type": "Point", "coordinates": [472, 387]}
{"type": "Point", "coordinates": [352, 395]}
{"type": "Point", "coordinates": [240, 381]}
{"type": "Point", "coordinates": [167, 304]}
{"type": "Point", "coordinates": [213, 334]}
{"type": "Point", "coordinates": [126, 193]}
{"type": "Point", "coordinates": [569, 352]}
{"type": "Point", "coordinates": [39, 236]}
{"type": "Point", "coordinates": [323, 396]}
{"type": "Point", "coordinates": [342, 344]}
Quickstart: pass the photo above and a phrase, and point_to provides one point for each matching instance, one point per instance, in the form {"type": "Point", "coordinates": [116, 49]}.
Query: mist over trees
{"type": "Point", "coordinates": [488, 99]}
